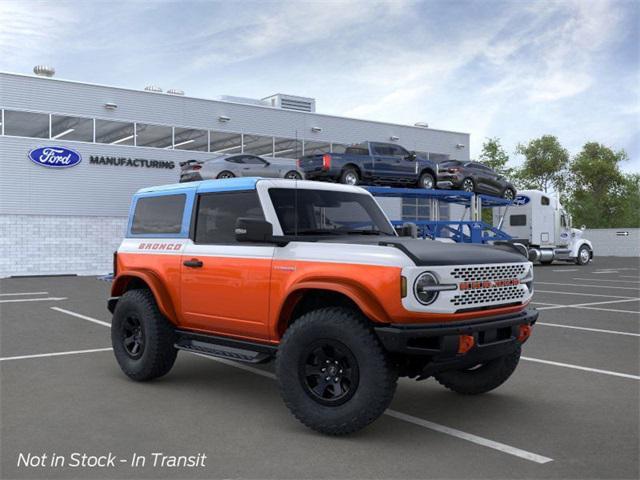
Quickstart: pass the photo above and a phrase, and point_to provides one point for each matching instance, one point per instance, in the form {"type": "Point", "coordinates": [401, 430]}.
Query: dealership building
{"type": "Point", "coordinates": [70, 220]}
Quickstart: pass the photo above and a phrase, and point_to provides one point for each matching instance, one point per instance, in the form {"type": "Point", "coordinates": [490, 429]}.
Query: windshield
{"type": "Point", "coordinates": [326, 212]}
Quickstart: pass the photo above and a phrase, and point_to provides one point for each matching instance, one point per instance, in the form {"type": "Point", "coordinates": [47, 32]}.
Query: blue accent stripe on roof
{"type": "Point", "coordinates": [222, 185]}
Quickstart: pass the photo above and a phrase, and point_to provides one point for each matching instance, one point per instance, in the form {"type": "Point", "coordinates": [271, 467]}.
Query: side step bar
{"type": "Point", "coordinates": [224, 347]}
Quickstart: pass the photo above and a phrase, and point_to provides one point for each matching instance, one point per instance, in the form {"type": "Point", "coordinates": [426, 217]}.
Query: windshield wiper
{"type": "Point", "coordinates": [318, 231]}
{"type": "Point", "coordinates": [363, 232]}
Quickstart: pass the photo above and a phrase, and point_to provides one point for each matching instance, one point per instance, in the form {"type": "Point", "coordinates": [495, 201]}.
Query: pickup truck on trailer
{"type": "Point", "coordinates": [313, 275]}
{"type": "Point", "coordinates": [371, 163]}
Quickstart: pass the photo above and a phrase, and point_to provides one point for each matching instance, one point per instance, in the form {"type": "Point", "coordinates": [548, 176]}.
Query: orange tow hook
{"type": "Point", "coordinates": [465, 343]}
{"type": "Point", "coordinates": [525, 332]}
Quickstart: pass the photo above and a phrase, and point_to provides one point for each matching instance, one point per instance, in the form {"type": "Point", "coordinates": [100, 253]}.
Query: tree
{"type": "Point", "coordinates": [545, 164]}
{"type": "Point", "coordinates": [601, 195]}
{"type": "Point", "coordinates": [494, 156]}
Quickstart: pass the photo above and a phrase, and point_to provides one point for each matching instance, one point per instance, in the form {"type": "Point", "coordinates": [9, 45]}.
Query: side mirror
{"type": "Point", "coordinates": [583, 228]}
{"type": "Point", "coordinates": [254, 230]}
{"type": "Point", "coordinates": [412, 156]}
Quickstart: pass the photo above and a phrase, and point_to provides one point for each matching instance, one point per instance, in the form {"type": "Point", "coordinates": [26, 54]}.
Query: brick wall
{"type": "Point", "coordinates": [52, 245]}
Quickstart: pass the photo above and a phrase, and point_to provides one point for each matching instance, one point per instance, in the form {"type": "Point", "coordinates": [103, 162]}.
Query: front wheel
{"type": "Point", "coordinates": [427, 181]}
{"type": "Point", "coordinates": [293, 175]}
{"type": "Point", "coordinates": [480, 378]}
{"type": "Point", "coordinates": [468, 185]}
{"type": "Point", "coordinates": [584, 255]}
{"type": "Point", "coordinates": [332, 372]}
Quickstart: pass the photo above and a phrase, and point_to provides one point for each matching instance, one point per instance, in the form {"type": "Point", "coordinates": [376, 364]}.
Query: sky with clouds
{"type": "Point", "coordinates": [514, 70]}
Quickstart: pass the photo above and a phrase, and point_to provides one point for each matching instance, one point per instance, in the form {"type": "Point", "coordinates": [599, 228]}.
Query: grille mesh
{"type": "Point", "coordinates": [494, 272]}
{"type": "Point", "coordinates": [482, 296]}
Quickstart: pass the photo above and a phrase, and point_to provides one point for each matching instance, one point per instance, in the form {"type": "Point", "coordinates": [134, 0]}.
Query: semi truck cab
{"type": "Point", "coordinates": [540, 222]}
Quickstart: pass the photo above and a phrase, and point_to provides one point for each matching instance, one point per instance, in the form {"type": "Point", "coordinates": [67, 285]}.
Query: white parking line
{"type": "Point", "coordinates": [567, 270]}
{"type": "Point", "coordinates": [84, 317]}
{"type": "Point", "coordinates": [485, 442]}
{"type": "Point", "coordinates": [23, 293]}
{"type": "Point", "coordinates": [605, 272]}
{"type": "Point", "coordinates": [580, 294]}
{"type": "Point", "coordinates": [581, 305]}
{"type": "Point", "coordinates": [584, 285]}
{"type": "Point", "coordinates": [55, 354]}
{"type": "Point", "coordinates": [607, 280]}
{"type": "Point", "coordinates": [578, 367]}
{"type": "Point", "coordinates": [610, 310]}
{"type": "Point", "coordinates": [597, 330]}
{"type": "Point", "coordinates": [628, 276]}
{"type": "Point", "coordinates": [49, 299]}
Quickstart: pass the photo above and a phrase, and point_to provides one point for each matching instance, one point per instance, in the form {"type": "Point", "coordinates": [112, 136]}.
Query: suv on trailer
{"type": "Point", "coordinates": [313, 275]}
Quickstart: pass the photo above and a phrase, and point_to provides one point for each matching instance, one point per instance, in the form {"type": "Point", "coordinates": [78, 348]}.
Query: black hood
{"type": "Point", "coordinates": [432, 252]}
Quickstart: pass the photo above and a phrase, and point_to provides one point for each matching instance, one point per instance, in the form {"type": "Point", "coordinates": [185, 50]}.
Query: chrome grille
{"type": "Point", "coordinates": [491, 272]}
{"type": "Point", "coordinates": [480, 296]}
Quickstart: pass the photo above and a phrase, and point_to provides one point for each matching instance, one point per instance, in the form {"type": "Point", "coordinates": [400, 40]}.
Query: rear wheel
{"type": "Point", "coordinates": [142, 338]}
{"type": "Point", "coordinates": [468, 185]}
{"type": "Point", "coordinates": [332, 372]}
{"type": "Point", "coordinates": [225, 174]}
{"type": "Point", "coordinates": [293, 175]}
{"type": "Point", "coordinates": [584, 255]}
{"type": "Point", "coordinates": [350, 176]}
{"type": "Point", "coordinates": [480, 378]}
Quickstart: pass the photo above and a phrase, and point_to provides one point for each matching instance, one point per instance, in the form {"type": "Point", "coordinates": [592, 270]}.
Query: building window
{"type": "Point", "coordinates": [157, 136]}
{"type": "Point", "coordinates": [26, 124]}
{"type": "Point", "coordinates": [191, 139]}
{"type": "Point", "coordinates": [158, 215]}
{"type": "Point", "coordinates": [219, 212]}
{"type": "Point", "coordinates": [314, 148]}
{"type": "Point", "coordinates": [415, 209]}
{"type": "Point", "coordinates": [287, 148]}
{"type": "Point", "coordinates": [223, 142]}
{"type": "Point", "coordinates": [71, 128]}
{"type": "Point", "coordinates": [258, 145]}
{"type": "Point", "coordinates": [114, 133]}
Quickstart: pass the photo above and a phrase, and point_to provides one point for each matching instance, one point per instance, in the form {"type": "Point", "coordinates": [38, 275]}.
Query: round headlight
{"type": "Point", "coordinates": [423, 288]}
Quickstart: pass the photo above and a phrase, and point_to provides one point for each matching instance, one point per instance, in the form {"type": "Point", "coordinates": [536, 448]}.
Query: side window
{"type": "Point", "coordinates": [518, 220]}
{"type": "Point", "coordinates": [398, 151]}
{"type": "Point", "coordinates": [235, 160]}
{"type": "Point", "coordinates": [544, 201]}
{"type": "Point", "coordinates": [380, 149]}
{"type": "Point", "coordinates": [158, 215]}
{"type": "Point", "coordinates": [563, 221]}
{"type": "Point", "coordinates": [250, 159]}
{"type": "Point", "coordinates": [218, 212]}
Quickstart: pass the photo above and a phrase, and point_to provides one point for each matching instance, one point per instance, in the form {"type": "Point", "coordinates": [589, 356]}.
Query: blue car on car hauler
{"type": "Point", "coordinates": [372, 163]}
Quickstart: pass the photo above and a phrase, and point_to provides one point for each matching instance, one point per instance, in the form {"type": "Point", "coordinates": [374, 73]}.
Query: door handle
{"type": "Point", "coordinates": [193, 263]}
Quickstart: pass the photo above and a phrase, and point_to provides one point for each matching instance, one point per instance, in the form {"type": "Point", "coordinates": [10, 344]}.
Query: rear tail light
{"type": "Point", "coordinates": [298, 163]}
{"type": "Point", "coordinates": [196, 167]}
{"type": "Point", "coordinates": [454, 170]}
{"type": "Point", "coordinates": [465, 343]}
{"type": "Point", "coordinates": [326, 161]}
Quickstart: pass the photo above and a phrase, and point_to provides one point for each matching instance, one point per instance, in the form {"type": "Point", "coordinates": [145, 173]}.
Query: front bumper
{"type": "Point", "coordinates": [494, 337]}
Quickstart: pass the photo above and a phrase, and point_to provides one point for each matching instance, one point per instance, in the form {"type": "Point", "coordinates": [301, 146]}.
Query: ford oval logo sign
{"type": "Point", "coordinates": [55, 157]}
{"type": "Point", "coordinates": [521, 200]}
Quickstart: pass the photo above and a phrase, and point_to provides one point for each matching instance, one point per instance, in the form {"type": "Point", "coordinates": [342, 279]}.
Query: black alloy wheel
{"type": "Point", "coordinates": [293, 175]}
{"type": "Point", "coordinates": [508, 194]}
{"type": "Point", "coordinates": [329, 372]}
{"type": "Point", "coordinates": [133, 336]}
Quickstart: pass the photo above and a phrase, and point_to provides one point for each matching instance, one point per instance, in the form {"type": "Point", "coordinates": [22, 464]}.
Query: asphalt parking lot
{"type": "Point", "coordinates": [571, 410]}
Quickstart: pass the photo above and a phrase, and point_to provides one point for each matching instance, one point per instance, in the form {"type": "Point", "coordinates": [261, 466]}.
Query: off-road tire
{"type": "Point", "coordinates": [579, 258]}
{"type": "Point", "coordinates": [348, 173]}
{"type": "Point", "coordinates": [485, 378]}
{"type": "Point", "coordinates": [424, 178]}
{"type": "Point", "coordinates": [377, 377]}
{"type": "Point", "coordinates": [158, 354]}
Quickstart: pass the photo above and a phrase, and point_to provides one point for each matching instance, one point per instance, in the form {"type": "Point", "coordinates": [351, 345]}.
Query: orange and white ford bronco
{"type": "Point", "coordinates": [314, 276]}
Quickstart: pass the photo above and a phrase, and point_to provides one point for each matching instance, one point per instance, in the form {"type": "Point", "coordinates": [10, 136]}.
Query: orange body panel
{"type": "Point", "coordinates": [252, 298]}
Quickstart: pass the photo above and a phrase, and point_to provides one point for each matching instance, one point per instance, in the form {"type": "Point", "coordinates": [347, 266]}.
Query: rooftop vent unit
{"type": "Point", "coordinates": [421, 124]}
{"type": "Point", "coordinates": [153, 88]}
{"type": "Point", "coordinates": [291, 102]}
{"type": "Point", "coordinates": [244, 100]}
{"type": "Point", "coordinates": [44, 71]}
{"type": "Point", "coordinates": [175, 91]}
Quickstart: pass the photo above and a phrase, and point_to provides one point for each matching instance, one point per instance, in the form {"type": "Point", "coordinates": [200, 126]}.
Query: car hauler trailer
{"type": "Point", "coordinates": [538, 221]}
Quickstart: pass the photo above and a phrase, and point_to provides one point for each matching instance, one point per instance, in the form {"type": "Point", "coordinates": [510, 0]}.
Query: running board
{"type": "Point", "coordinates": [223, 347]}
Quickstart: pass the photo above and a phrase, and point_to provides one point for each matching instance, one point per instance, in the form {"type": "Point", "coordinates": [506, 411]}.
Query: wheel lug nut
{"type": "Point", "coordinates": [340, 371]}
{"type": "Point", "coordinates": [336, 379]}
{"type": "Point", "coordinates": [327, 378]}
{"type": "Point", "coordinates": [323, 370]}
